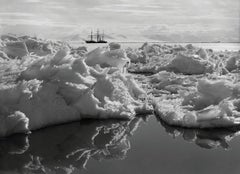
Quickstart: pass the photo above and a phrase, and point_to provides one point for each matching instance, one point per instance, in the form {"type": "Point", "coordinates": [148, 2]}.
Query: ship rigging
{"type": "Point", "coordinates": [99, 38]}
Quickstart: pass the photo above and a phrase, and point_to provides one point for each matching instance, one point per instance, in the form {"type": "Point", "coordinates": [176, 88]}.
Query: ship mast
{"type": "Point", "coordinates": [103, 35]}
{"type": "Point", "coordinates": [98, 36]}
{"type": "Point", "coordinates": [91, 35]}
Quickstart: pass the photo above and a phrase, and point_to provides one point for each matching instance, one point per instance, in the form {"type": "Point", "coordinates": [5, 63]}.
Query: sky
{"type": "Point", "coordinates": [167, 20]}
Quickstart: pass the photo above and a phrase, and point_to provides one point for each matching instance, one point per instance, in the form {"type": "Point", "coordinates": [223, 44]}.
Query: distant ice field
{"type": "Point", "coordinates": [214, 46]}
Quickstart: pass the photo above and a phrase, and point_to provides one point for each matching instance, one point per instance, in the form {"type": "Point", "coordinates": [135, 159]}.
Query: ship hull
{"type": "Point", "coordinates": [99, 38]}
{"type": "Point", "coordinates": [92, 42]}
{"type": "Point", "coordinates": [102, 41]}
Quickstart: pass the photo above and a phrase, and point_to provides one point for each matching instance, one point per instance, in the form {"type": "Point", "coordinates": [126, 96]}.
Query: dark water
{"type": "Point", "coordinates": [142, 145]}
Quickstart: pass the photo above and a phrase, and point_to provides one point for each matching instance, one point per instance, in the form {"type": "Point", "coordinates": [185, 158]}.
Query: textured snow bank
{"type": "Point", "coordinates": [15, 122]}
{"type": "Point", "coordinates": [188, 60]}
{"type": "Point", "coordinates": [61, 88]}
{"type": "Point", "coordinates": [15, 49]}
{"type": "Point", "coordinates": [213, 104]}
{"type": "Point", "coordinates": [190, 65]}
{"type": "Point", "coordinates": [24, 46]}
{"type": "Point", "coordinates": [114, 46]}
{"type": "Point", "coordinates": [107, 58]}
{"type": "Point", "coordinates": [3, 56]}
{"type": "Point", "coordinates": [169, 81]}
{"type": "Point", "coordinates": [233, 63]}
{"type": "Point", "coordinates": [202, 53]}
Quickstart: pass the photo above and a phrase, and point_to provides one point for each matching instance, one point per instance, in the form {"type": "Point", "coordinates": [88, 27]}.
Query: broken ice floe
{"type": "Point", "coordinates": [61, 88]}
{"type": "Point", "coordinates": [214, 104]}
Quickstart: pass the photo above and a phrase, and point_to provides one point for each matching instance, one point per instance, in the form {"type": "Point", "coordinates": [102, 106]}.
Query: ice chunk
{"type": "Point", "coordinates": [22, 47]}
{"type": "Point", "coordinates": [136, 56]}
{"type": "Point", "coordinates": [3, 55]}
{"type": "Point", "coordinates": [106, 58]}
{"type": "Point", "coordinates": [38, 47]}
{"type": "Point", "coordinates": [202, 53]}
{"type": "Point", "coordinates": [6, 37]}
{"type": "Point", "coordinates": [178, 49]}
{"type": "Point", "coordinates": [190, 47]}
{"type": "Point", "coordinates": [190, 65]}
{"type": "Point", "coordinates": [210, 93]}
{"type": "Point", "coordinates": [168, 81]}
{"type": "Point", "coordinates": [15, 49]}
{"type": "Point", "coordinates": [46, 107]}
{"type": "Point", "coordinates": [233, 63]}
{"type": "Point", "coordinates": [16, 122]}
{"type": "Point", "coordinates": [214, 105]}
{"type": "Point", "coordinates": [60, 88]}
{"type": "Point", "coordinates": [114, 46]}
{"type": "Point", "coordinates": [209, 117]}
{"type": "Point", "coordinates": [81, 51]}
{"type": "Point", "coordinates": [215, 90]}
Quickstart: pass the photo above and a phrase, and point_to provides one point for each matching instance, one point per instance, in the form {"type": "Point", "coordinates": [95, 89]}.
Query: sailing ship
{"type": "Point", "coordinates": [99, 38]}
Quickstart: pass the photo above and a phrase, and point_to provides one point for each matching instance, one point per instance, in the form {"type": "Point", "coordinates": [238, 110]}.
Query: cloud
{"type": "Point", "coordinates": [173, 17]}
{"type": "Point", "coordinates": [191, 33]}
{"type": "Point", "coordinates": [123, 10]}
{"type": "Point", "coordinates": [32, 1]}
{"type": "Point", "coordinates": [15, 14]}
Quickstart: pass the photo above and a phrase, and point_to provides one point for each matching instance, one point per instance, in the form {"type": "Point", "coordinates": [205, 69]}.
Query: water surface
{"type": "Point", "coordinates": [143, 145]}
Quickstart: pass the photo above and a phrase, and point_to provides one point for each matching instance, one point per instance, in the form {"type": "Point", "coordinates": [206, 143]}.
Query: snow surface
{"type": "Point", "coordinates": [188, 60]}
{"type": "Point", "coordinates": [61, 88]}
{"type": "Point", "coordinates": [25, 46]}
{"type": "Point", "coordinates": [55, 83]}
{"type": "Point", "coordinates": [107, 58]}
{"type": "Point", "coordinates": [190, 65]}
{"type": "Point", "coordinates": [191, 87]}
{"type": "Point", "coordinates": [214, 104]}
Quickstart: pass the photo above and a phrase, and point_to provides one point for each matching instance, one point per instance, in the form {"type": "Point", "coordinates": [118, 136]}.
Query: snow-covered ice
{"type": "Point", "coordinates": [213, 104]}
{"type": "Point", "coordinates": [61, 88]}
{"type": "Point", "coordinates": [190, 65]}
{"type": "Point", "coordinates": [107, 58]}
{"type": "Point", "coordinates": [55, 83]}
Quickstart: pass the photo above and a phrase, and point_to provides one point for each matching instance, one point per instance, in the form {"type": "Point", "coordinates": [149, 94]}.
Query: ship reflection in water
{"type": "Point", "coordinates": [74, 147]}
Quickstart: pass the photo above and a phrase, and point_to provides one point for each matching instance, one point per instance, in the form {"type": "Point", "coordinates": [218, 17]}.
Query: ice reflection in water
{"type": "Point", "coordinates": [66, 148]}
{"type": "Point", "coordinates": [204, 138]}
